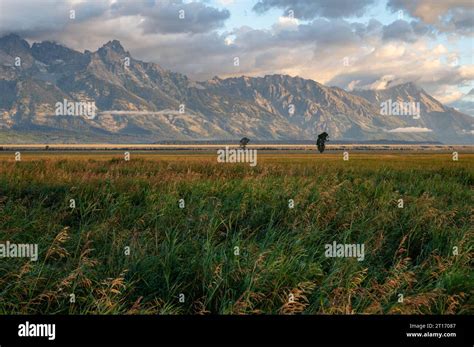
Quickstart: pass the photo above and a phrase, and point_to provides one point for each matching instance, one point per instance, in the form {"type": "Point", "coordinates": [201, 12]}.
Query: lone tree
{"type": "Point", "coordinates": [244, 142]}
{"type": "Point", "coordinates": [321, 141]}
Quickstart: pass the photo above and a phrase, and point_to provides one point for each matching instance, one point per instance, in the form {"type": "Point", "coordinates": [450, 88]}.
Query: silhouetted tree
{"type": "Point", "coordinates": [244, 142]}
{"type": "Point", "coordinates": [321, 141]}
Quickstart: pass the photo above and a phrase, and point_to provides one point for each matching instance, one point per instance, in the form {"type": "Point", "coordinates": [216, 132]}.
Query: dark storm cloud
{"type": "Point", "coordinates": [36, 18]}
{"type": "Point", "coordinates": [404, 31]}
{"type": "Point", "coordinates": [308, 9]}
{"type": "Point", "coordinates": [173, 16]}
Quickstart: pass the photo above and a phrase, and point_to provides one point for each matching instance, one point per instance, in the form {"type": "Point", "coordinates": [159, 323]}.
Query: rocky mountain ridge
{"type": "Point", "coordinates": [142, 102]}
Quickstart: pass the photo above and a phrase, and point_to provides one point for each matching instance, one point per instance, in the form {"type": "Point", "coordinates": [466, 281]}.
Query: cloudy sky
{"type": "Point", "coordinates": [346, 43]}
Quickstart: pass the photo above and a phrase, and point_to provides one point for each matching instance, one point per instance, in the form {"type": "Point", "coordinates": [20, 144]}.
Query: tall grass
{"type": "Point", "coordinates": [280, 267]}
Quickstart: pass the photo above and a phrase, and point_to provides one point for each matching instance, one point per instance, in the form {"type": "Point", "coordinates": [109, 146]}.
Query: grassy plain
{"type": "Point", "coordinates": [190, 253]}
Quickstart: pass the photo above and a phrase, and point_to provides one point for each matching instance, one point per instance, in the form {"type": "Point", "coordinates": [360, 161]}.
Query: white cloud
{"type": "Point", "coordinates": [447, 94]}
{"type": "Point", "coordinates": [286, 23]}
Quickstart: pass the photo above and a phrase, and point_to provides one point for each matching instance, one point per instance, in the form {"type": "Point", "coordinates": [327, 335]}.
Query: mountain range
{"type": "Point", "coordinates": [141, 102]}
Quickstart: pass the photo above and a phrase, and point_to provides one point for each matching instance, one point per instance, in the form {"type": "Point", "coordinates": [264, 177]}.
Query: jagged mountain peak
{"type": "Point", "coordinates": [12, 43]}
{"type": "Point", "coordinates": [50, 52]}
{"type": "Point", "coordinates": [115, 46]}
{"type": "Point", "coordinates": [12, 37]}
{"type": "Point", "coordinates": [112, 52]}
